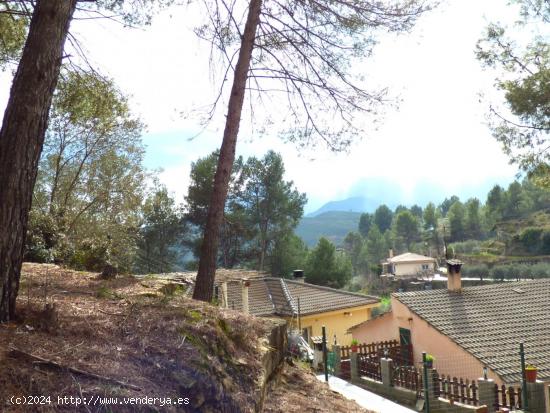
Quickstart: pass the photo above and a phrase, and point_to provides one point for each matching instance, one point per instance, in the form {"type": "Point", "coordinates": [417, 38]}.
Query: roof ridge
{"type": "Point", "coordinates": [322, 287]}
{"type": "Point", "coordinates": [270, 296]}
{"type": "Point", "coordinates": [496, 284]}
{"type": "Point", "coordinates": [287, 294]}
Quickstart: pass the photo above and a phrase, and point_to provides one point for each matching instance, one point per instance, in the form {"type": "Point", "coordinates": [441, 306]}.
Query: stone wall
{"type": "Point", "coordinates": [275, 350]}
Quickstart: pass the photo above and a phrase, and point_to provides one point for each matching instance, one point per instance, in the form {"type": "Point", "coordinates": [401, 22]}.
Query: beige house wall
{"type": "Point", "coordinates": [336, 322]}
{"type": "Point", "coordinates": [411, 268]}
{"type": "Point", "coordinates": [450, 358]}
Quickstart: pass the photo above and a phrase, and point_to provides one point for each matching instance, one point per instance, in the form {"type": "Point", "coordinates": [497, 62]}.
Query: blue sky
{"type": "Point", "coordinates": [432, 70]}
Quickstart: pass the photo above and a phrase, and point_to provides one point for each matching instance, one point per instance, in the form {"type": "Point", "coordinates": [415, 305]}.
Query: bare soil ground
{"type": "Point", "coordinates": [298, 390]}
{"type": "Point", "coordinates": [140, 338]}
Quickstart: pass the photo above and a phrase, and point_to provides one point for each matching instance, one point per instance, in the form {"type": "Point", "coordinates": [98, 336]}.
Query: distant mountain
{"type": "Point", "coordinates": [333, 225]}
{"type": "Point", "coordinates": [354, 204]}
{"type": "Point", "coordinates": [367, 194]}
{"type": "Point", "coordinates": [336, 218]}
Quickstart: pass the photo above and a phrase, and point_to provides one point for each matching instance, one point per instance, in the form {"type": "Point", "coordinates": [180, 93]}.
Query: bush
{"type": "Point", "coordinates": [90, 256]}
{"type": "Point", "coordinates": [466, 247]}
{"type": "Point", "coordinates": [476, 271]}
{"type": "Point", "coordinates": [545, 242]}
{"type": "Point", "coordinates": [499, 272]}
{"type": "Point", "coordinates": [540, 270]}
{"type": "Point", "coordinates": [530, 239]}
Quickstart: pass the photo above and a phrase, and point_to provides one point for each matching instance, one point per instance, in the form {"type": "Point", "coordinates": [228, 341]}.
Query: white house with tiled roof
{"type": "Point", "coordinates": [408, 265]}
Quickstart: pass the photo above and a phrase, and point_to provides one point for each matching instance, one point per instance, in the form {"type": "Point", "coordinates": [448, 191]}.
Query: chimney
{"type": "Point", "coordinates": [390, 253]}
{"type": "Point", "coordinates": [299, 276]}
{"type": "Point", "coordinates": [454, 281]}
{"type": "Point", "coordinates": [245, 283]}
{"type": "Point", "coordinates": [225, 303]}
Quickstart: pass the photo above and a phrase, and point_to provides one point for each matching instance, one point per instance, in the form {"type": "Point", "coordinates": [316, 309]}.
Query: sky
{"type": "Point", "coordinates": [438, 134]}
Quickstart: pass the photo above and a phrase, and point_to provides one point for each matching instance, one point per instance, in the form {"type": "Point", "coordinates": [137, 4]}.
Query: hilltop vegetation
{"type": "Point", "coordinates": [333, 225]}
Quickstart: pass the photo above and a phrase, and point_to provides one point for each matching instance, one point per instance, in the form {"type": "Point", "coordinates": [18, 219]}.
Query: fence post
{"type": "Point", "coordinates": [426, 383]}
{"type": "Point", "coordinates": [386, 369]}
{"type": "Point", "coordinates": [536, 397]}
{"type": "Point", "coordinates": [325, 367]}
{"type": "Point", "coordinates": [337, 359]}
{"type": "Point", "coordinates": [486, 393]}
{"type": "Point", "coordinates": [354, 366]}
{"type": "Point", "coordinates": [524, 397]}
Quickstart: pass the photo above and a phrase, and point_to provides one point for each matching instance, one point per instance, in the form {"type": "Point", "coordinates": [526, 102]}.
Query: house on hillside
{"type": "Point", "coordinates": [305, 306]}
{"type": "Point", "coordinates": [408, 265]}
{"type": "Point", "coordinates": [469, 328]}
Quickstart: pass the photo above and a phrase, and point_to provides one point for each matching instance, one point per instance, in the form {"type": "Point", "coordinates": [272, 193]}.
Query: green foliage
{"type": "Point", "coordinates": [353, 243]}
{"type": "Point", "coordinates": [516, 271]}
{"type": "Point", "coordinates": [333, 225]}
{"type": "Point", "coordinates": [383, 218]}
{"type": "Point", "coordinates": [406, 227]}
{"type": "Point", "coordinates": [523, 124]}
{"type": "Point", "coordinates": [161, 231]}
{"type": "Point", "coordinates": [89, 186]}
{"type": "Point", "coordinates": [261, 211]}
{"type": "Point", "coordinates": [289, 254]}
{"type": "Point", "coordinates": [456, 216]}
{"type": "Point", "coordinates": [384, 307]}
{"type": "Point", "coordinates": [447, 203]}
{"type": "Point", "coordinates": [13, 32]}
{"type": "Point", "coordinates": [430, 216]}
{"type": "Point", "coordinates": [467, 247]}
{"type": "Point", "coordinates": [530, 238]}
{"type": "Point", "coordinates": [272, 204]}
{"type": "Point", "coordinates": [472, 220]}
{"type": "Point", "coordinates": [475, 270]}
{"type": "Point", "coordinates": [326, 266]}
{"type": "Point", "coordinates": [365, 223]}
{"type": "Point", "coordinates": [373, 251]}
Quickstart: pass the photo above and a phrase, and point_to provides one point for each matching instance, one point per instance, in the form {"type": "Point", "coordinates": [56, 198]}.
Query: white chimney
{"type": "Point", "coordinates": [390, 253]}
{"type": "Point", "coordinates": [454, 281]}
{"type": "Point", "coordinates": [244, 285]}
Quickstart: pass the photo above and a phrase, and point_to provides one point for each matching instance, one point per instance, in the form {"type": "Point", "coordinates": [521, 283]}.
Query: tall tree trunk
{"type": "Point", "coordinates": [204, 285]}
{"type": "Point", "coordinates": [22, 136]}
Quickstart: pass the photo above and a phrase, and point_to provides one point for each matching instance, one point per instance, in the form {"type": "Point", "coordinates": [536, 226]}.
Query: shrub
{"type": "Point", "coordinates": [499, 272]}
{"type": "Point", "coordinates": [540, 270]}
{"type": "Point", "coordinates": [530, 239]}
{"type": "Point", "coordinates": [545, 242]}
{"type": "Point", "coordinates": [476, 271]}
{"type": "Point", "coordinates": [466, 247]}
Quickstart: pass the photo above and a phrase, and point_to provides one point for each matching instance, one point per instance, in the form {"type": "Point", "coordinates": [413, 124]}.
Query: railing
{"type": "Point", "coordinates": [458, 390]}
{"type": "Point", "coordinates": [370, 348]}
{"type": "Point", "coordinates": [409, 378]}
{"type": "Point", "coordinates": [369, 366]}
{"type": "Point", "coordinates": [345, 369]}
{"type": "Point", "coordinates": [508, 397]}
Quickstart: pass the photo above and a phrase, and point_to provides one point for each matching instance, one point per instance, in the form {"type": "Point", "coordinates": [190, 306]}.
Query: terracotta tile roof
{"type": "Point", "coordinates": [318, 299]}
{"type": "Point", "coordinates": [490, 321]}
{"type": "Point", "coordinates": [279, 296]}
{"type": "Point", "coordinates": [410, 257]}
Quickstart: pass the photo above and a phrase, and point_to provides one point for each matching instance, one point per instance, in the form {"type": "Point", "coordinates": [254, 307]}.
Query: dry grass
{"type": "Point", "coordinates": [127, 329]}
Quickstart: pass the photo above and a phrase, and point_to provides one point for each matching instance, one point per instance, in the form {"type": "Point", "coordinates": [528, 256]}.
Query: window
{"type": "Point", "coordinates": [425, 266]}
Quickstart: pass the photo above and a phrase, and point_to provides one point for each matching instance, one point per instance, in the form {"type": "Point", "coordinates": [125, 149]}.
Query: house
{"type": "Point", "coordinates": [467, 329]}
{"type": "Point", "coordinates": [305, 306]}
{"type": "Point", "coordinates": [408, 265]}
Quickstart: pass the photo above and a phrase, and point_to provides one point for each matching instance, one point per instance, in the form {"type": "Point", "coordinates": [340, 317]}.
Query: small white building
{"type": "Point", "coordinates": [409, 265]}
